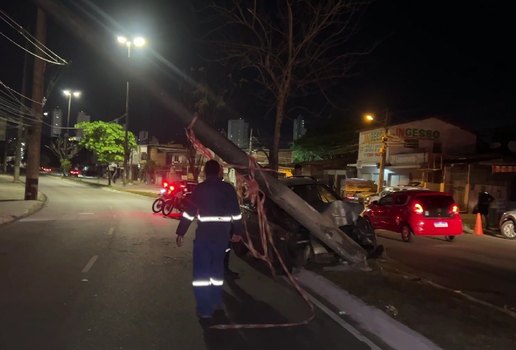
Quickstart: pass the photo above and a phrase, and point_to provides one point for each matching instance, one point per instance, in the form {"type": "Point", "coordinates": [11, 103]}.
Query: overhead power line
{"type": "Point", "coordinates": [52, 57]}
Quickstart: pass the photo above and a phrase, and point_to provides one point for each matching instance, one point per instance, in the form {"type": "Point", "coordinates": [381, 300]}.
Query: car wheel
{"type": "Point", "coordinates": [507, 229]}
{"type": "Point", "coordinates": [449, 238]}
{"type": "Point", "coordinates": [293, 255]}
{"type": "Point", "coordinates": [406, 233]}
{"type": "Point", "coordinates": [157, 206]}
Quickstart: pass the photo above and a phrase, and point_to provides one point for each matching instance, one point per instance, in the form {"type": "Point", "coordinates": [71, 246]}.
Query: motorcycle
{"type": "Point", "coordinates": [164, 194]}
{"type": "Point", "coordinates": [177, 198]}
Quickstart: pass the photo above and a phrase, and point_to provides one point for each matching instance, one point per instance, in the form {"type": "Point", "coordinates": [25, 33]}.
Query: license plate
{"type": "Point", "coordinates": [440, 224]}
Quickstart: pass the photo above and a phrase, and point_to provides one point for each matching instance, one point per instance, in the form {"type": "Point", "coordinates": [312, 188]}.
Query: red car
{"type": "Point", "coordinates": [414, 212]}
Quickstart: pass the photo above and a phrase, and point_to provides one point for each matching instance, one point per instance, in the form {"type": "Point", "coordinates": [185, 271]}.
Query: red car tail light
{"type": "Point", "coordinates": [454, 209]}
{"type": "Point", "coordinates": [418, 208]}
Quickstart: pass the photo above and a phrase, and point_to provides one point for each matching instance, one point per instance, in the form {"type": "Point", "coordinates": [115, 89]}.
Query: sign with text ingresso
{"type": "Point", "coordinates": [370, 142]}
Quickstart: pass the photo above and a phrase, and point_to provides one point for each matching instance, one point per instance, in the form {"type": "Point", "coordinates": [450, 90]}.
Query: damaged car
{"type": "Point", "coordinates": [293, 241]}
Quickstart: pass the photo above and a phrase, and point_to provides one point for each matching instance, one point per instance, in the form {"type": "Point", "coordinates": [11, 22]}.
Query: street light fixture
{"type": "Point", "coordinates": [137, 42]}
{"type": "Point", "coordinates": [383, 149]}
{"type": "Point", "coordinates": [69, 94]}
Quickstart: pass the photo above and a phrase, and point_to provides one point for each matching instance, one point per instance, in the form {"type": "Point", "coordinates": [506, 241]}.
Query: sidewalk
{"type": "Point", "coordinates": [468, 224]}
{"type": "Point", "coordinates": [12, 203]}
{"type": "Point", "coordinates": [14, 207]}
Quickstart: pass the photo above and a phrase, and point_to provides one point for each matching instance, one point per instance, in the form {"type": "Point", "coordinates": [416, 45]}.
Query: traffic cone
{"type": "Point", "coordinates": [478, 225]}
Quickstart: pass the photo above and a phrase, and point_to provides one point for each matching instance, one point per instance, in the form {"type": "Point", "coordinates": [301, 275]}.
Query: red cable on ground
{"type": "Point", "coordinates": [248, 188]}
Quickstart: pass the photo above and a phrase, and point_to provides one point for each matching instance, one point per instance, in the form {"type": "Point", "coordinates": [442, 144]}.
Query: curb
{"type": "Point", "coordinates": [370, 319]}
{"type": "Point", "coordinates": [33, 209]}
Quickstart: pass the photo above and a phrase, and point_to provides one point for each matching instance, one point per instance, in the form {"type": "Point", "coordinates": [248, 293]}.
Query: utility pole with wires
{"type": "Point", "coordinates": [34, 131]}
{"type": "Point", "coordinates": [19, 131]}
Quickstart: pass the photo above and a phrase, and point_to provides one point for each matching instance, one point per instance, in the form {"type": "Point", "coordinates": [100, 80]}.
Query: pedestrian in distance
{"type": "Point", "coordinates": [484, 201]}
{"type": "Point", "coordinates": [214, 204]}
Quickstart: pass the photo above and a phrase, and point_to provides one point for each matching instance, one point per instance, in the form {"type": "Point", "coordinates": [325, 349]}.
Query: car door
{"type": "Point", "coordinates": [381, 213]}
{"type": "Point", "coordinates": [399, 202]}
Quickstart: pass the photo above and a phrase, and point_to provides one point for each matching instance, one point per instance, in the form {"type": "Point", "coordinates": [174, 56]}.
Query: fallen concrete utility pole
{"type": "Point", "coordinates": [320, 226]}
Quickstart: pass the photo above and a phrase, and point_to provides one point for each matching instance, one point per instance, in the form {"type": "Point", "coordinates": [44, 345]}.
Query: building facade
{"type": "Point", "coordinates": [416, 151]}
{"type": "Point", "coordinates": [238, 132]}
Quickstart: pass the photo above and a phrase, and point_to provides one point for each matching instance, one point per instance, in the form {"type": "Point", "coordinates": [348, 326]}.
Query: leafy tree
{"type": "Point", "coordinates": [65, 150]}
{"type": "Point", "coordinates": [330, 139]}
{"type": "Point", "coordinates": [106, 140]}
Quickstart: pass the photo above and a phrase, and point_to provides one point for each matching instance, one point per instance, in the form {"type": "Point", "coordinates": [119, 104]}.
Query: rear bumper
{"type": "Point", "coordinates": [437, 227]}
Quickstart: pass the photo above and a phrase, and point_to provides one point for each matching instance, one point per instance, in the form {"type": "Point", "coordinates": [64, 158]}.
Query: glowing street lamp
{"type": "Point", "coordinates": [383, 149]}
{"type": "Point", "coordinates": [69, 94]}
{"type": "Point", "coordinates": [137, 42]}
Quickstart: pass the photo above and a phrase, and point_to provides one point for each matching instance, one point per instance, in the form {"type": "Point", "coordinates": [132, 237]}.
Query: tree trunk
{"type": "Point", "coordinates": [280, 110]}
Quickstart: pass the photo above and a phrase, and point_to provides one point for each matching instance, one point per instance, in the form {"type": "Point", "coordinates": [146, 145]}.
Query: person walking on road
{"type": "Point", "coordinates": [214, 204]}
{"type": "Point", "coordinates": [484, 201]}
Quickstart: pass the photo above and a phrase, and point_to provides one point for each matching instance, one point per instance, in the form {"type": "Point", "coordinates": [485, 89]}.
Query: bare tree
{"type": "Point", "coordinates": [292, 46]}
{"type": "Point", "coordinates": [65, 151]}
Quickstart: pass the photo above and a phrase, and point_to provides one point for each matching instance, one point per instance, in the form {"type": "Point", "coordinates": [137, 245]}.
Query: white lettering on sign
{"type": "Point", "coordinates": [415, 133]}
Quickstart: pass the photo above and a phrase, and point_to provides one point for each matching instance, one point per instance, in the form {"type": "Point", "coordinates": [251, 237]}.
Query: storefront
{"type": "Point", "coordinates": [415, 151]}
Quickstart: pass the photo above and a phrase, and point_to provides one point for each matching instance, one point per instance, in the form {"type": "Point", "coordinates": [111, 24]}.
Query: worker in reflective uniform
{"type": "Point", "coordinates": [214, 204]}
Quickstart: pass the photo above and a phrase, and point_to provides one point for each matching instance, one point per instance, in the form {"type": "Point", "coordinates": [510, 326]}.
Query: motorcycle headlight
{"type": "Point", "coordinates": [162, 191]}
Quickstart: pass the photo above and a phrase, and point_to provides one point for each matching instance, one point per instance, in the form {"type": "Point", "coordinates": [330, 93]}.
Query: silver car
{"type": "Point", "coordinates": [507, 224]}
{"type": "Point", "coordinates": [390, 189]}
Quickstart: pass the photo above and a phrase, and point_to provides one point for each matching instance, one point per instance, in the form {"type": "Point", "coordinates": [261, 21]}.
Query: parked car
{"type": "Point", "coordinates": [416, 212]}
{"type": "Point", "coordinates": [390, 189]}
{"type": "Point", "coordinates": [74, 172]}
{"type": "Point", "coordinates": [507, 222]}
{"type": "Point", "coordinates": [295, 243]}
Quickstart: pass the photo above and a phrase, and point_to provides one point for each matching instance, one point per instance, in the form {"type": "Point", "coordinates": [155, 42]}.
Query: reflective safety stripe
{"type": "Point", "coordinates": [237, 217]}
{"type": "Point", "coordinates": [201, 283]}
{"type": "Point", "coordinates": [207, 283]}
{"type": "Point", "coordinates": [188, 217]}
{"type": "Point", "coordinates": [216, 282]}
{"type": "Point", "coordinates": [228, 250]}
{"type": "Point", "coordinates": [214, 218]}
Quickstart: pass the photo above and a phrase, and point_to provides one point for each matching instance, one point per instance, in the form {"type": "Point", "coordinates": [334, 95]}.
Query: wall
{"type": "Point", "coordinates": [429, 135]}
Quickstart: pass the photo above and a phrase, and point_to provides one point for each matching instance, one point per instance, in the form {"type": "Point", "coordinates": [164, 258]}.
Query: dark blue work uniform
{"type": "Point", "coordinates": [214, 204]}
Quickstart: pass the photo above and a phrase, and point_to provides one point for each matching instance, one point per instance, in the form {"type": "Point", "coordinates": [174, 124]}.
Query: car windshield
{"type": "Point", "coordinates": [315, 194]}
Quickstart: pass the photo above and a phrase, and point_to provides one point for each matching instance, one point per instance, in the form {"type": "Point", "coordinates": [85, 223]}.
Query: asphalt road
{"type": "Point", "coordinates": [480, 266]}
{"type": "Point", "coordinates": [96, 269]}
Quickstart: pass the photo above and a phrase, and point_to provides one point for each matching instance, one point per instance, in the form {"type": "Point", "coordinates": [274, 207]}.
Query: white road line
{"type": "Point", "coordinates": [35, 220]}
{"type": "Point", "coordinates": [111, 231]}
{"type": "Point", "coordinates": [90, 264]}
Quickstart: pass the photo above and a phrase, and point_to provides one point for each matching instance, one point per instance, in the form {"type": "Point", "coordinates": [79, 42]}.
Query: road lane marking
{"type": "Point", "coordinates": [111, 231]}
{"type": "Point", "coordinates": [35, 220]}
{"type": "Point", "coordinates": [90, 264]}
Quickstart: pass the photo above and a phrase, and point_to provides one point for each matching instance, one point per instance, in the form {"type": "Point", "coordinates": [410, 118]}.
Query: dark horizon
{"type": "Point", "coordinates": [430, 62]}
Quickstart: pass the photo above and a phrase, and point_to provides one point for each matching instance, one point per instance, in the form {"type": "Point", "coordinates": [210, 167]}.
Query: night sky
{"type": "Point", "coordinates": [432, 59]}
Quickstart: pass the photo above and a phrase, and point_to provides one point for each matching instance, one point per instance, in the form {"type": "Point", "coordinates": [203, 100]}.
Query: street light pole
{"type": "Point", "coordinates": [126, 125]}
{"type": "Point", "coordinates": [383, 152]}
{"type": "Point", "coordinates": [383, 148]}
{"type": "Point", "coordinates": [69, 94]}
{"type": "Point", "coordinates": [138, 42]}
